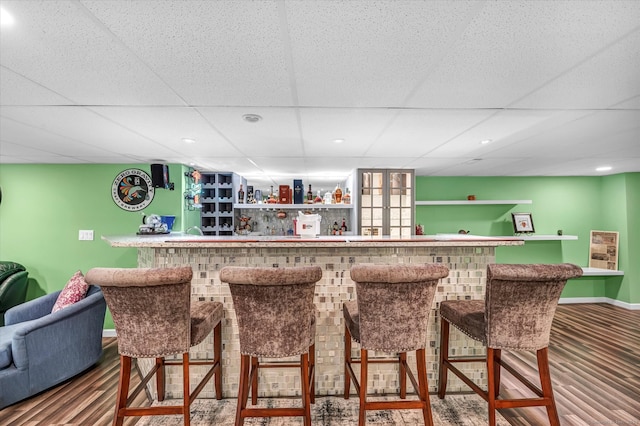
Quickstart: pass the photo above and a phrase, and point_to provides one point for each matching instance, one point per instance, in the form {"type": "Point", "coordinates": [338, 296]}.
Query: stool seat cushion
{"type": "Point", "coordinates": [204, 317]}
{"type": "Point", "coordinates": [352, 318]}
{"type": "Point", "coordinates": [467, 316]}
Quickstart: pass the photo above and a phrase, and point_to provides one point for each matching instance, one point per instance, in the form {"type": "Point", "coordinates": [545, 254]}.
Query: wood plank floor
{"type": "Point", "coordinates": [595, 366]}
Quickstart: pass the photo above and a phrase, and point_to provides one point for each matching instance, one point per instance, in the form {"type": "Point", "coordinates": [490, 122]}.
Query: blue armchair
{"type": "Point", "coordinates": [39, 349]}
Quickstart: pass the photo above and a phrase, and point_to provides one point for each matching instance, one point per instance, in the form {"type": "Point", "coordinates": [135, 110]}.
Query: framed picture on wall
{"type": "Point", "coordinates": [603, 250]}
{"type": "Point", "coordinates": [522, 223]}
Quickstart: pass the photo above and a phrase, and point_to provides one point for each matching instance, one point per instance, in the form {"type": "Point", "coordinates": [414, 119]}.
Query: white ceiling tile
{"type": "Point", "coordinates": [76, 57]}
{"type": "Point", "coordinates": [419, 132]}
{"type": "Point", "coordinates": [221, 53]}
{"type": "Point", "coordinates": [512, 48]}
{"type": "Point", "coordinates": [18, 90]}
{"type": "Point", "coordinates": [369, 53]}
{"type": "Point", "coordinates": [277, 134]}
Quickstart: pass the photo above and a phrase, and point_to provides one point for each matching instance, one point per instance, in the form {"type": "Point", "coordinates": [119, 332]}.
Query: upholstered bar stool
{"type": "Point", "coordinates": [517, 313]}
{"type": "Point", "coordinates": [276, 319]}
{"type": "Point", "coordinates": [390, 314]}
{"type": "Point", "coordinates": [154, 317]}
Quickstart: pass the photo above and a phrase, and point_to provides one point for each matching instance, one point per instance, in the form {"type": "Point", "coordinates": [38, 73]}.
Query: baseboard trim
{"type": "Point", "coordinates": [610, 301]}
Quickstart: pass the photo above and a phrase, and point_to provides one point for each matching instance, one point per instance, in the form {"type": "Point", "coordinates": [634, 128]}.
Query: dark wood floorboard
{"type": "Point", "coordinates": [595, 367]}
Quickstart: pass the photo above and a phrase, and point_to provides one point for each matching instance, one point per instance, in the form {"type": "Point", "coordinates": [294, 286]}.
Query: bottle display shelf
{"type": "Point", "coordinates": [293, 206]}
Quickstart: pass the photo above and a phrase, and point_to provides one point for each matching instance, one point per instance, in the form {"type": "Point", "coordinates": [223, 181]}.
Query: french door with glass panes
{"type": "Point", "coordinates": [386, 202]}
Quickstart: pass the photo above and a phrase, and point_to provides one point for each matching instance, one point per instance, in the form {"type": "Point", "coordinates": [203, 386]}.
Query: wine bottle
{"type": "Point", "coordinates": [343, 228]}
{"type": "Point", "coordinates": [309, 195]}
{"type": "Point", "coordinates": [240, 195]}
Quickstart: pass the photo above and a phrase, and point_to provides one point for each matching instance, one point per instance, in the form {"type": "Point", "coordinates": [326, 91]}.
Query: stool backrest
{"type": "Point", "coordinates": [274, 308]}
{"type": "Point", "coordinates": [394, 303]}
{"type": "Point", "coordinates": [521, 301]}
{"type": "Point", "coordinates": [150, 308]}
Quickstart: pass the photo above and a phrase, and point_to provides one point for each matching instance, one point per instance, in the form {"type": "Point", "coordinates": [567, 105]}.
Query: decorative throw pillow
{"type": "Point", "coordinates": [74, 291]}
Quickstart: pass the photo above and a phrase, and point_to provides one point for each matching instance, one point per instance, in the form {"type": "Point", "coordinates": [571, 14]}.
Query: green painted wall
{"type": "Point", "coordinates": [576, 205]}
{"type": "Point", "coordinates": [44, 206]}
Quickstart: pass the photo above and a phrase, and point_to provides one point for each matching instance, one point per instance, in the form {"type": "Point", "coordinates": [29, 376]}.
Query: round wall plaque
{"type": "Point", "coordinates": [132, 190]}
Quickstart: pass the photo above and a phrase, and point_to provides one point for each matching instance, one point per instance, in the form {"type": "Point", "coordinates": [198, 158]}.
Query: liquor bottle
{"type": "Point", "coordinates": [346, 198]}
{"type": "Point", "coordinates": [240, 195]}
{"type": "Point", "coordinates": [318, 199]}
{"type": "Point", "coordinates": [343, 228]}
{"type": "Point", "coordinates": [309, 195]}
{"type": "Point", "coordinates": [337, 194]}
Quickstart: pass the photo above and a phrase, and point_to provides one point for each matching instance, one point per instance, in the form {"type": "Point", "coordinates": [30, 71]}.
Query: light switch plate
{"type": "Point", "coordinates": [85, 234]}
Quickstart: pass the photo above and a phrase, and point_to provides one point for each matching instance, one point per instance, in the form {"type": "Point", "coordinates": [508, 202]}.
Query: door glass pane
{"type": "Point", "coordinates": [378, 200]}
{"type": "Point", "coordinates": [395, 200]}
{"type": "Point", "coordinates": [366, 200]}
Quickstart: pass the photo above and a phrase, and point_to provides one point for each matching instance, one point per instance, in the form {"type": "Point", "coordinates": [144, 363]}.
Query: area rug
{"type": "Point", "coordinates": [463, 410]}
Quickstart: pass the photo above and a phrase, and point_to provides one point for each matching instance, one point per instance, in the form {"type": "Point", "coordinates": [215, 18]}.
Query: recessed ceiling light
{"type": "Point", "coordinates": [485, 141]}
{"type": "Point", "coordinates": [338, 140]}
{"type": "Point", "coordinates": [6, 19]}
{"type": "Point", "coordinates": [603, 169]}
{"type": "Point", "coordinates": [188, 140]}
{"type": "Point", "coordinates": [251, 118]}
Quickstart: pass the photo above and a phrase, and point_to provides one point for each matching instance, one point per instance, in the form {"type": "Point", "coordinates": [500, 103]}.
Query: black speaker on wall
{"type": "Point", "coordinates": [160, 176]}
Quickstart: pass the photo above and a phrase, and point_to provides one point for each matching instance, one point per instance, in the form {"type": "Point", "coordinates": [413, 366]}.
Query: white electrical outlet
{"type": "Point", "coordinates": [85, 234]}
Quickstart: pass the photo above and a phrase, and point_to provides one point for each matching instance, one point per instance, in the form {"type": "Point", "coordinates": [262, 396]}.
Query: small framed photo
{"type": "Point", "coordinates": [522, 222]}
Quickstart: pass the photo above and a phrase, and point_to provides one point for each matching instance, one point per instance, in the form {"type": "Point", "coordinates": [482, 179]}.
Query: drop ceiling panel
{"type": "Point", "coordinates": [167, 126]}
{"type": "Point", "coordinates": [88, 128]}
{"type": "Point", "coordinates": [358, 127]}
{"type": "Point", "coordinates": [587, 136]}
{"type": "Point", "coordinates": [360, 53]}
{"type": "Point", "coordinates": [277, 134]}
{"type": "Point", "coordinates": [18, 90]}
{"type": "Point", "coordinates": [511, 49]}
{"type": "Point", "coordinates": [17, 139]}
{"type": "Point", "coordinates": [418, 132]}
{"type": "Point", "coordinates": [210, 53]}
{"type": "Point", "coordinates": [499, 127]}
{"type": "Point", "coordinates": [602, 81]}
{"type": "Point", "coordinates": [58, 45]}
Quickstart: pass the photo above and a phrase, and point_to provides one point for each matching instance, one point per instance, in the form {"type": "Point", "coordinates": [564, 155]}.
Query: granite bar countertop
{"type": "Point", "coordinates": [179, 239]}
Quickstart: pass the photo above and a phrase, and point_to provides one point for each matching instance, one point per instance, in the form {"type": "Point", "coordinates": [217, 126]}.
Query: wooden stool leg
{"type": "Point", "coordinates": [364, 361]}
{"type": "Point", "coordinates": [254, 381]}
{"type": "Point", "coordinates": [217, 359]}
{"type": "Point", "coordinates": [186, 390]}
{"type": "Point", "coordinates": [444, 357]}
{"type": "Point", "coordinates": [243, 389]}
{"type": "Point", "coordinates": [491, 392]}
{"type": "Point", "coordinates": [347, 362]}
{"type": "Point", "coordinates": [160, 378]}
{"type": "Point", "coordinates": [402, 360]}
{"type": "Point", "coordinates": [497, 353]}
{"type": "Point", "coordinates": [423, 384]}
{"type": "Point", "coordinates": [312, 372]}
{"type": "Point", "coordinates": [545, 381]}
{"type": "Point", "coordinates": [304, 379]}
{"type": "Point", "coordinates": [123, 389]}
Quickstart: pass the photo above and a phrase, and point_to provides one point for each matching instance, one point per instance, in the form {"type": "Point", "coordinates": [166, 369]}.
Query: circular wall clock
{"type": "Point", "coordinates": [132, 190]}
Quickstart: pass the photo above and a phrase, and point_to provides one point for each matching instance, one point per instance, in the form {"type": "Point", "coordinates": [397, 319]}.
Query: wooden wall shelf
{"type": "Point", "coordinates": [599, 272]}
{"type": "Point", "coordinates": [469, 202]}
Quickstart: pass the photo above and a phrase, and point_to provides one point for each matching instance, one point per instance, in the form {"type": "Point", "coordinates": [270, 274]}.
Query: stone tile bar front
{"type": "Point", "coordinates": [467, 259]}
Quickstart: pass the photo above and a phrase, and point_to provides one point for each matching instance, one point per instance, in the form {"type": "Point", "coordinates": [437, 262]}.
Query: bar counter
{"type": "Point", "coordinates": [466, 256]}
